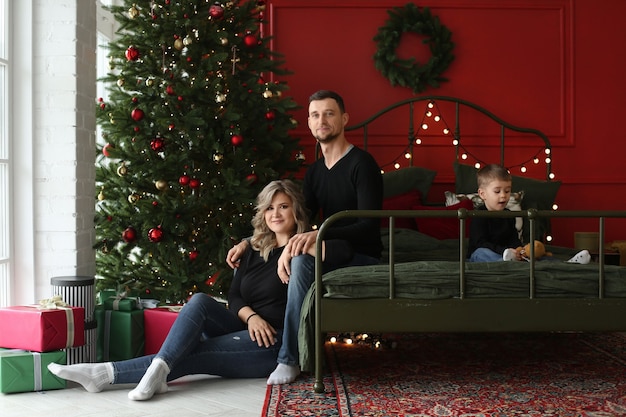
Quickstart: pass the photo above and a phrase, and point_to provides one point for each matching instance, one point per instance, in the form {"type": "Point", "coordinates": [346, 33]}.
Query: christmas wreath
{"type": "Point", "coordinates": [409, 72]}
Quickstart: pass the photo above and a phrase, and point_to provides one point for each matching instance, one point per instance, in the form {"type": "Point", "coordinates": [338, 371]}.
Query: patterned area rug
{"type": "Point", "coordinates": [546, 374]}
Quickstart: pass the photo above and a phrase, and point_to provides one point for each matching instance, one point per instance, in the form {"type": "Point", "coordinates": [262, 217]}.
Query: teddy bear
{"type": "Point", "coordinates": [540, 250]}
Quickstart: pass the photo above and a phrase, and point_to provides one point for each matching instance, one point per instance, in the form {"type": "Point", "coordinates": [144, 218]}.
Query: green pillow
{"type": "Point", "coordinates": [538, 194]}
{"type": "Point", "coordinates": [403, 180]}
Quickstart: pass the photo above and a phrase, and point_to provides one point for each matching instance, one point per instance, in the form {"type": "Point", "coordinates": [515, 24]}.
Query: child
{"type": "Point", "coordinates": [493, 239]}
{"type": "Point", "coordinates": [496, 239]}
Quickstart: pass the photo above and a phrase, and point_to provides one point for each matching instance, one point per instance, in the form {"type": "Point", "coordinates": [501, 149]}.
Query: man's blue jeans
{"type": "Point", "coordinates": [206, 338]}
{"type": "Point", "coordinates": [300, 280]}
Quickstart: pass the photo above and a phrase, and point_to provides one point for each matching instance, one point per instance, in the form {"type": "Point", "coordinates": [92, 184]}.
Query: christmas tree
{"type": "Point", "coordinates": [194, 126]}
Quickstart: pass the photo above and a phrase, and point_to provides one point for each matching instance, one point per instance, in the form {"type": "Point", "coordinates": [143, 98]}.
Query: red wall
{"type": "Point", "coordinates": [553, 65]}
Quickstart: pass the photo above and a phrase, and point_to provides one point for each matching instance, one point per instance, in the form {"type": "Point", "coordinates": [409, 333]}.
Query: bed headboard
{"type": "Point", "coordinates": [460, 106]}
{"type": "Point", "coordinates": [407, 188]}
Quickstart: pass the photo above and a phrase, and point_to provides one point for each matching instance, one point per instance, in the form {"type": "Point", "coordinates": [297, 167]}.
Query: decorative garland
{"type": "Point", "coordinates": [409, 72]}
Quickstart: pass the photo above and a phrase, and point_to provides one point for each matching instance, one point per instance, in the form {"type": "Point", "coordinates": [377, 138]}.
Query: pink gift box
{"type": "Point", "coordinates": [157, 323]}
{"type": "Point", "coordinates": [42, 330]}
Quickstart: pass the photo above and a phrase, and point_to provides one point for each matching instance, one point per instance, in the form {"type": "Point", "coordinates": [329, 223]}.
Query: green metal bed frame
{"type": "Point", "coordinates": [459, 106]}
{"type": "Point", "coordinates": [391, 314]}
{"type": "Point", "coordinates": [529, 314]}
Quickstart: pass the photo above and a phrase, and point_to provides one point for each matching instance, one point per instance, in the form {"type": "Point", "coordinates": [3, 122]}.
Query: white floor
{"type": "Point", "coordinates": [199, 396]}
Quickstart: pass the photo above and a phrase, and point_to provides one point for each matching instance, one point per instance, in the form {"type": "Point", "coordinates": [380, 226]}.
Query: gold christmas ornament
{"type": "Point", "coordinates": [120, 82]}
{"type": "Point", "coordinates": [122, 170]}
{"type": "Point", "coordinates": [178, 44]}
{"type": "Point", "coordinates": [161, 185]}
{"type": "Point", "coordinates": [101, 195]}
{"type": "Point", "coordinates": [133, 198]}
{"type": "Point", "coordinates": [220, 98]}
{"type": "Point", "coordinates": [224, 41]}
{"type": "Point", "coordinates": [187, 40]}
{"type": "Point", "coordinates": [217, 157]}
{"type": "Point", "coordinates": [268, 94]}
{"type": "Point", "coordinates": [133, 12]}
{"type": "Point", "coordinates": [150, 82]}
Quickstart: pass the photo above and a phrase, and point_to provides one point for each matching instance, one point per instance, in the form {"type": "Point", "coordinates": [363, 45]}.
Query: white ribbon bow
{"type": "Point", "coordinates": [53, 303]}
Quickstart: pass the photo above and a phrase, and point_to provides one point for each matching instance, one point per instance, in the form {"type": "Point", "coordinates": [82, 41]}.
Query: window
{"type": "Point", "coordinates": [5, 231]}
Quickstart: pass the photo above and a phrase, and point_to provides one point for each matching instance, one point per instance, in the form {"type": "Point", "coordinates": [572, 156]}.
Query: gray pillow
{"type": "Point", "coordinates": [404, 180]}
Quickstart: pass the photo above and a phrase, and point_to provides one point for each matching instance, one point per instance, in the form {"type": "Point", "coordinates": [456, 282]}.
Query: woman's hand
{"type": "Point", "coordinates": [261, 331]}
{"type": "Point", "coordinates": [233, 257]}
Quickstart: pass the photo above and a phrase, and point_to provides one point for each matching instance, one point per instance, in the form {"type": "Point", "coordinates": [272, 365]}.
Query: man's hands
{"type": "Point", "coordinates": [298, 244]}
{"type": "Point", "coordinates": [233, 257]}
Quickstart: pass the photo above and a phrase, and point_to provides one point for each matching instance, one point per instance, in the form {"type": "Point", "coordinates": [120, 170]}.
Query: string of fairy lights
{"type": "Point", "coordinates": [433, 121]}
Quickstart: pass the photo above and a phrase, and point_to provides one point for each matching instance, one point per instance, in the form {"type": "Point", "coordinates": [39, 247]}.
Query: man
{"type": "Point", "coordinates": [345, 178]}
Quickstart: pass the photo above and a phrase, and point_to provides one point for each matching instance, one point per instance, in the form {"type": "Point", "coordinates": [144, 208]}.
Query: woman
{"type": "Point", "coordinates": [206, 338]}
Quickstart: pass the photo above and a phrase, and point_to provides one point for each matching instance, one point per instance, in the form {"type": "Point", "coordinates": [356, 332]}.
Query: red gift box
{"type": "Point", "coordinates": [42, 329]}
{"type": "Point", "coordinates": [157, 323]}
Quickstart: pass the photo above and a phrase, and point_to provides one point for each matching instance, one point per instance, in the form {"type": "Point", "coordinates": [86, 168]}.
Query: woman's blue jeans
{"type": "Point", "coordinates": [301, 278]}
{"type": "Point", "coordinates": [206, 338]}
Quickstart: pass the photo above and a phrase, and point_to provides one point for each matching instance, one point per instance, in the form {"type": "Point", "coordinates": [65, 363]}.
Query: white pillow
{"type": "Point", "coordinates": [514, 204]}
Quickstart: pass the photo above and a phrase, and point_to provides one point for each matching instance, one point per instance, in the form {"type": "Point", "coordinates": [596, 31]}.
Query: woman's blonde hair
{"type": "Point", "coordinates": [263, 239]}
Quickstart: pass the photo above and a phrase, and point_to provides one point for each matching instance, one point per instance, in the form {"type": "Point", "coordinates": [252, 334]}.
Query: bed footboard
{"type": "Point", "coordinates": [463, 314]}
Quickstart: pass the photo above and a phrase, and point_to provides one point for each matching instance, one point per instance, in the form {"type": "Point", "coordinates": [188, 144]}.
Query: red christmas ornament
{"type": "Point", "coordinates": [134, 99]}
{"type": "Point", "coordinates": [170, 90]}
{"type": "Point", "coordinates": [157, 144]}
{"type": "Point", "coordinates": [102, 106]}
{"type": "Point", "coordinates": [250, 40]}
{"type": "Point", "coordinates": [129, 235]}
{"type": "Point", "coordinates": [106, 149]}
{"type": "Point", "coordinates": [171, 126]}
{"type": "Point", "coordinates": [236, 140]}
{"type": "Point", "coordinates": [216, 11]}
{"type": "Point", "coordinates": [193, 255]}
{"type": "Point", "coordinates": [270, 115]}
{"type": "Point", "coordinates": [194, 183]}
{"type": "Point", "coordinates": [137, 114]}
{"type": "Point", "coordinates": [155, 234]}
{"type": "Point", "coordinates": [252, 178]}
{"type": "Point", "coordinates": [184, 180]}
{"type": "Point", "coordinates": [212, 279]}
{"type": "Point", "coordinates": [132, 53]}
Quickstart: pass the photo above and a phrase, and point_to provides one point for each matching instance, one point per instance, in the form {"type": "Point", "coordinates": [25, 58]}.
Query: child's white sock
{"type": "Point", "coordinates": [283, 374]}
{"type": "Point", "coordinates": [92, 376]}
{"type": "Point", "coordinates": [153, 382]}
{"type": "Point", "coordinates": [582, 257]}
{"type": "Point", "coordinates": [509, 255]}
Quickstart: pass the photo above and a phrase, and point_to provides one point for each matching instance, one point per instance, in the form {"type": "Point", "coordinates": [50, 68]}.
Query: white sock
{"type": "Point", "coordinates": [582, 257]}
{"type": "Point", "coordinates": [153, 382]}
{"type": "Point", "coordinates": [283, 374]}
{"type": "Point", "coordinates": [509, 255]}
{"type": "Point", "coordinates": [92, 376]}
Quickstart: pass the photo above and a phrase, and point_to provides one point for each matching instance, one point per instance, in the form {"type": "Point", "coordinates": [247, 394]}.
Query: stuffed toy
{"type": "Point", "coordinates": [540, 250]}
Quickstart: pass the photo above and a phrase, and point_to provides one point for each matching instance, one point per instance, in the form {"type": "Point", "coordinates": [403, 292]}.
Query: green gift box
{"type": "Point", "coordinates": [120, 334]}
{"type": "Point", "coordinates": [105, 294]}
{"type": "Point", "coordinates": [24, 371]}
{"type": "Point", "coordinates": [123, 301]}
{"type": "Point", "coordinates": [122, 304]}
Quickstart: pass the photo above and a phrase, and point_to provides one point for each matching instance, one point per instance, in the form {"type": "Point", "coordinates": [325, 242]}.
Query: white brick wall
{"type": "Point", "coordinates": [63, 143]}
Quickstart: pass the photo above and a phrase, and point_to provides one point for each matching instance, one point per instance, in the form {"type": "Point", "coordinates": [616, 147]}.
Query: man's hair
{"type": "Point", "coordinates": [490, 173]}
{"type": "Point", "coordinates": [324, 94]}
